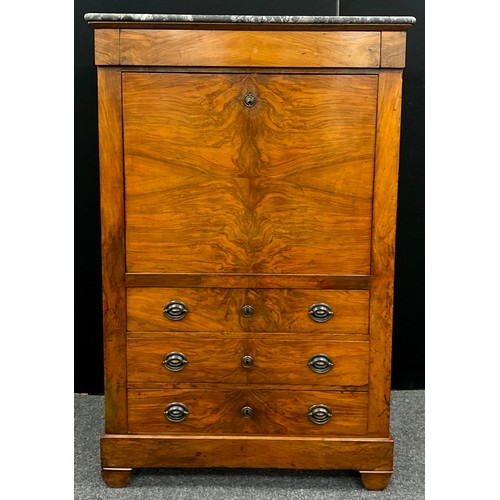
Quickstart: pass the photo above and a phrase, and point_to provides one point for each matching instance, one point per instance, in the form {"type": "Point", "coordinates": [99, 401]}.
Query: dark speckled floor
{"type": "Point", "coordinates": [407, 482]}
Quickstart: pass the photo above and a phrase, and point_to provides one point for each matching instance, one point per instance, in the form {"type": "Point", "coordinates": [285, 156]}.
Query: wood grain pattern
{"type": "Point", "coordinates": [219, 309]}
{"type": "Point", "coordinates": [214, 186]}
{"type": "Point", "coordinates": [249, 48]}
{"type": "Point", "coordinates": [393, 52]}
{"type": "Point", "coordinates": [219, 412]}
{"type": "Point", "coordinates": [227, 280]}
{"type": "Point", "coordinates": [277, 359]}
{"type": "Point", "coordinates": [112, 249]}
{"type": "Point", "coordinates": [383, 250]}
{"type": "Point", "coordinates": [107, 47]}
{"type": "Point", "coordinates": [288, 311]}
{"type": "Point", "coordinates": [248, 451]}
{"type": "Point", "coordinates": [210, 309]}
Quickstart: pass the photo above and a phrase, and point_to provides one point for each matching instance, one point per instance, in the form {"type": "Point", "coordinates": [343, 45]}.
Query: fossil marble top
{"type": "Point", "coordinates": [212, 18]}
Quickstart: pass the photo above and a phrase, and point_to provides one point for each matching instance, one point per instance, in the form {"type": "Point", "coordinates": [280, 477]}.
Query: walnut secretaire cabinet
{"type": "Point", "coordinates": [248, 187]}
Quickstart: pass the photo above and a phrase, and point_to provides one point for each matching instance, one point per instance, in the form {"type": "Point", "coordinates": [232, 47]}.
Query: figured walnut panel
{"type": "Point", "coordinates": [211, 358]}
{"type": "Point", "coordinates": [282, 187]}
{"type": "Point", "coordinates": [283, 360]}
{"type": "Point", "coordinates": [219, 412]}
{"type": "Point", "coordinates": [209, 309]}
{"type": "Point", "coordinates": [288, 311]}
{"type": "Point", "coordinates": [217, 358]}
{"type": "Point", "coordinates": [219, 309]}
{"type": "Point", "coordinates": [249, 48]}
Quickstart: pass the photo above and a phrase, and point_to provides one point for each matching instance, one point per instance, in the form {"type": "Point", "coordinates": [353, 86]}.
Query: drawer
{"type": "Point", "coordinates": [240, 358]}
{"type": "Point", "coordinates": [152, 47]}
{"type": "Point", "coordinates": [273, 310]}
{"type": "Point", "coordinates": [222, 411]}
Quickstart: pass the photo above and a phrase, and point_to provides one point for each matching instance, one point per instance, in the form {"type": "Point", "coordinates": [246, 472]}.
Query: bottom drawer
{"type": "Point", "coordinates": [242, 411]}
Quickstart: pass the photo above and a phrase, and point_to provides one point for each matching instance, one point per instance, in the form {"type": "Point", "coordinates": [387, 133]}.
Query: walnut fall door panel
{"type": "Point", "coordinates": [240, 173]}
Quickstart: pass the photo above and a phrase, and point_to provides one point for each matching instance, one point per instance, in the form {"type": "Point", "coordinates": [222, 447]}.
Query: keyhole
{"type": "Point", "coordinates": [249, 100]}
{"type": "Point", "coordinates": [247, 361]}
{"type": "Point", "coordinates": [246, 411]}
{"type": "Point", "coordinates": [247, 311]}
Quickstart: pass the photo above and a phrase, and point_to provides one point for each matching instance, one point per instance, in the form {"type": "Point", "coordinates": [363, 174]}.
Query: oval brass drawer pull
{"type": "Point", "coordinates": [175, 310]}
{"type": "Point", "coordinates": [320, 363]}
{"type": "Point", "coordinates": [320, 312]}
{"type": "Point", "coordinates": [176, 412]}
{"type": "Point", "coordinates": [175, 361]}
{"type": "Point", "coordinates": [319, 414]}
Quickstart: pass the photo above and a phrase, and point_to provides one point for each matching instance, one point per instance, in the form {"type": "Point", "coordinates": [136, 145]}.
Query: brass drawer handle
{"type": "Point", "coordinates": [320, 363]}
{"type": "Point", "coordinates": [320, 312]}
{"type": "Point", "coordinates": [247, 311]}
{"type": "Point", "coordinates": [176, 412]}
{"type": "Point", "coordinates": [246, 412]}
{"type": "Point", "coordinates": [175, 310]}
{"type": "Point", "coordinates": [319, 414]}
{"type": "Point", "coordinates": [175, 361]}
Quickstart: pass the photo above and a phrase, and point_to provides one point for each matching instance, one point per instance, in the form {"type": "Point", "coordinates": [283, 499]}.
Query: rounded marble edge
{"type": "Point", "coordinates": [201, 18]}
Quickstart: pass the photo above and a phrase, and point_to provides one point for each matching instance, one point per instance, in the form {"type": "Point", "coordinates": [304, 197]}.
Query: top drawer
{"type": "Point", "coordinates": [249, 48]}
{"type": "Point", "coordinates": [219, 309]}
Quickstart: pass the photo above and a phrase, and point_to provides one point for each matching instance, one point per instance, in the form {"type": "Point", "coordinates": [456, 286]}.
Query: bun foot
{"type": "Point", "coordinates": [116, 478]}
{"type": "Point", "coordinates": [375, 480]}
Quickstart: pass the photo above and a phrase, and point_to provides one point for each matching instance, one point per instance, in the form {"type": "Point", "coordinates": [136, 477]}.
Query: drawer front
{"type": "Point", "coordinates": [249, 48]}
{"type": "Point", "coordinates": [217, 309]}
{"type": "Point", "coordinates": [270, 359]}
{"type": "Point", "coordinates": [267, 412]}
{"type": "Point", "coordinates": [209, 309]}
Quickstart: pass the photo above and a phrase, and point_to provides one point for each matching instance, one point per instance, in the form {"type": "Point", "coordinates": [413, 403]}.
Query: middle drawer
{"type": "Point", "coordinates": [246, 359]}
{"type": "Point", "coordinates": [247, 310]}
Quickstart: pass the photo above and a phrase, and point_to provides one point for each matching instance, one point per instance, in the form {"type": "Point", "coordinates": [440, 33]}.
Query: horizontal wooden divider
{"type": "Point", "coordinates": [225, 280]}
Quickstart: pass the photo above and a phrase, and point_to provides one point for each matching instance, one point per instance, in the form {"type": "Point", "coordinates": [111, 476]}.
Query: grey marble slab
{"type": "Point", "coordinates": [201, 18]}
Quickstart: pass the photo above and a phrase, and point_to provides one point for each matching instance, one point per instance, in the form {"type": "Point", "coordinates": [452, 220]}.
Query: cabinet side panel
{"type": "Point", "coordinates": [113, 256]}
{"type": "Point", "coordinates": [383, 248]}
